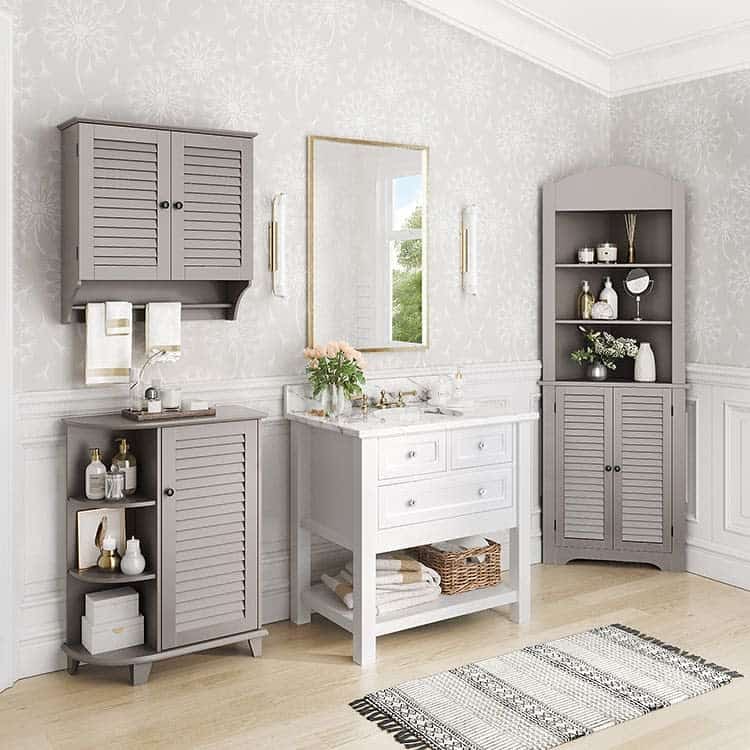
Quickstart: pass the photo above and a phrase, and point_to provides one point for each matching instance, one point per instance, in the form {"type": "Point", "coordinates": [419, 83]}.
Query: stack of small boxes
{"type": "Point", "coordinates": [112, 620]}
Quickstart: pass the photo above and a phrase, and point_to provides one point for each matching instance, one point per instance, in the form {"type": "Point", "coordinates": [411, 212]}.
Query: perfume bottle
{"type": "Point", "coordinates": [585, 301]}
{"type": "Point", "coordinates": [125, 461]}
{"type": "Point", "coordinates": [109, 559]}
{"type": "Point", "coordinates": [96, 473]}
{"type": "Point", "coordinates": [609, 295]}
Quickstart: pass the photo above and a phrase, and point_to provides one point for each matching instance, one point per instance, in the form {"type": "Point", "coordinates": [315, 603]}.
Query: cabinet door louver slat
{"type": "Point", "coordinates": [210, 579]}
{"type": "Point", "coordinates": [583, 449]}
{"type": "Point", "coordinates": [643, 486]}
{"type": "Point", "coordinates": [125, 172]}
{"type": "Point", "coordinates": [212, 178]}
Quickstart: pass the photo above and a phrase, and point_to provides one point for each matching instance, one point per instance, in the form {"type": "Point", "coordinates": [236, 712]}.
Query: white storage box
{"type": "Point", "coordinates": [112, 605]}
{"type": "Point", "coordinates": [111, 636]}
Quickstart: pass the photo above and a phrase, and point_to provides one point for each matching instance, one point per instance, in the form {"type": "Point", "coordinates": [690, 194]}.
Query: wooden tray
{"type": "Point", "coordinates": [167, 414]}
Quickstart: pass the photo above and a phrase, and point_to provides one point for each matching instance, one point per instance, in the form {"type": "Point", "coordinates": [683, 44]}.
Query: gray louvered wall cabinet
{"type": "Point", "coordinates": [197, 514]}
{"type": "Point", "coordinates": [152, 213]}
{"type": "Point", "coordinates": [614, 452]}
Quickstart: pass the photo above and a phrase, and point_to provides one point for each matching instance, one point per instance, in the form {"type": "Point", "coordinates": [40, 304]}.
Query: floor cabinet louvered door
{"type": "Point", "coordinates": [212, 192]}
{"type": "Point", "coordinates": [209, 532]}
{"type": "Point", "coordinates": [584, 465]}
{"type": "Point", "coordinates": [642, 471]}
{"type": "Point", "coordinates": [124, 215]}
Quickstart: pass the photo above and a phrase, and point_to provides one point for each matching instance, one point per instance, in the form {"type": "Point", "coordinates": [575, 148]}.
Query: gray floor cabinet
{"type": "Point", "coordinates": [197, 514]}
{"type": "Point", "coordinates": [614, 475]}
{"type": "Point", "coordinates": [156, 213]}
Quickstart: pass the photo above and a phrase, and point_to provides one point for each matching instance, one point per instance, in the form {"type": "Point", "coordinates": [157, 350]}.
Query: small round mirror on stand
{"type": "Point", "coordinates": [638, 283]}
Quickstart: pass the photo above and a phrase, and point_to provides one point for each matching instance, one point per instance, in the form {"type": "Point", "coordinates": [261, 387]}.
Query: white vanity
{"type": "Point", "coordinates": [401, 478]}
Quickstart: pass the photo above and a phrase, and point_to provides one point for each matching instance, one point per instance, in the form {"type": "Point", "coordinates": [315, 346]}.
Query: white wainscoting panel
{"type": "Point", "coordinates": [718, 544]}
{"type": "Point", "coordinates": [40, 500]}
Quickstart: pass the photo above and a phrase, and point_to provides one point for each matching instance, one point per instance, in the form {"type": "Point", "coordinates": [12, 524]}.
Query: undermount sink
{"type": "Point", "coordinates": [401, 415]}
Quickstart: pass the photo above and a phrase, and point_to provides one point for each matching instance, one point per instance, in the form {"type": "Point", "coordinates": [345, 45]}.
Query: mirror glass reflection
{"type": "Point", "coordinates": [366, 208]}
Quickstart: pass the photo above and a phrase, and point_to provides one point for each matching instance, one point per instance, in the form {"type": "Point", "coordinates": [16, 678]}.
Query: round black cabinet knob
{"type": "Point", "coordinates": [607, 468]}
{"type": "Point", "coordinates": [169, 492]}
{"type": "Point", "coordinates": [618, 468]}
{"type": "Point", "coordinates": [178, 205]}
{"type": "Point", "coordinates": [164, 204]}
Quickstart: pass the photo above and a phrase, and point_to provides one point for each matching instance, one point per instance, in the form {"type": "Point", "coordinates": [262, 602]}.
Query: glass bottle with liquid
{"type": "Point", "coordinates": [95, 476]}
{"type": "Point", "coordinates": [125, 461]}
{"type": "Point", "coordinates": [585, 302]}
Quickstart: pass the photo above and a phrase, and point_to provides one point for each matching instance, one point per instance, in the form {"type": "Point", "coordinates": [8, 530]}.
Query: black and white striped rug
{"type": "Point", "coordinates": [543, 695]}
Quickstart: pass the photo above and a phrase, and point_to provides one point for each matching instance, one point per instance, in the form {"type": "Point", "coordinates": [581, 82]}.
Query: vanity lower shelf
{"type": "Point", "coordinates": [319, 598]}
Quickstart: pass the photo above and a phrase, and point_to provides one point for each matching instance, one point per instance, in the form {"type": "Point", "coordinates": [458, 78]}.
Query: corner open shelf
{"type": "Point", "coordinates": [605, 266]}
{"type": "Point", "coordinates": [619, 322]}
{"type": "Point", "coordinates": [134, 501]}
{"type": "Point", "coordinates": [94, 575]}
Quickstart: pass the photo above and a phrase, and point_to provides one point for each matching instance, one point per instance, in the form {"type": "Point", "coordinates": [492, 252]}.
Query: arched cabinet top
{"type": "Point", "coordinates": [617, 188]}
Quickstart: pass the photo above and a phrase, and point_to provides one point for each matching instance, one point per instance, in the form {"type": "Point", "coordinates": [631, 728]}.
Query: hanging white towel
{"type": "Point", "coordinates": [108, 358]}
{"type": "Point", "coordinates": [118, 318]}
{"type": "Point", "coordinates": [163, 330]}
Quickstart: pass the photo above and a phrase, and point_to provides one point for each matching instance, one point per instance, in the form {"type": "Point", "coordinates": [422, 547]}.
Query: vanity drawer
{"type": "Point", "coordinates": [411, 455]}
{"type": "Point", "coordinates": [447, 497]}
{"type": "Point", "coordinates": [481, 446]}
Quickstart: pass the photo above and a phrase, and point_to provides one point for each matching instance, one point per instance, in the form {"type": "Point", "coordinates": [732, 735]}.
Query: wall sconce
{"type": "Point", "coordinates": [469, 224]}
{"type": "Point", "coordinates": [277, 244]}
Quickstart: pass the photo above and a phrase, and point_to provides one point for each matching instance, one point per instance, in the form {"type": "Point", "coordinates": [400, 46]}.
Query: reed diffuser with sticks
{"type": "Point", "coordinates": [630, 229]}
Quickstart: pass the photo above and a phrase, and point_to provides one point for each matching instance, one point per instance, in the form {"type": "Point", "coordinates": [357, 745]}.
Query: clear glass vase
{"type": "Point", "coordinates": [335, 401]}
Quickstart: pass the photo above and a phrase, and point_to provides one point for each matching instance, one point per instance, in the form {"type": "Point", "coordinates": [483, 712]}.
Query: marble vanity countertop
{"type": "Point", "coordinates": [410, 420]}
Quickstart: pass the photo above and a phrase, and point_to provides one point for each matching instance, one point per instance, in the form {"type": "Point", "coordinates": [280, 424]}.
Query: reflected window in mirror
{"type": "Point", "coordinates": [367, 243]}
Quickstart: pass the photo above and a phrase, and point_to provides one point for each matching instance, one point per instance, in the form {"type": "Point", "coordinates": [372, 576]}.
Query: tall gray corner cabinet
{"type": "Point", "coordinates": [197, 514]}
{"type": "Point", "coordinates": [152, 212]}
{"type": "Point", "coordinates": [614, 451]}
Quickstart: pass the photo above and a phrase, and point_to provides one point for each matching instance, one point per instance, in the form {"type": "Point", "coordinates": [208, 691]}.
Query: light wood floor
{"type": "Point", "coordinates": [296, 696]}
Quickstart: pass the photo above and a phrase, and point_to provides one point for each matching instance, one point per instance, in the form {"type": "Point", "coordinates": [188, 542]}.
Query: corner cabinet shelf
{"type": "Point", "coordinates": [152, 213]}
{"type": "Point", "coordinates": [614, 452]}
{"type": "Point", "coordinates": [198, 519]}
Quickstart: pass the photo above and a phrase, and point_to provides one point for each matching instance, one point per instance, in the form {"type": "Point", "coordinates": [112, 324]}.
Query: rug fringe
{"type": "Point", "coordinates": [387, 723]}
{"type": "Point", "coordinates": [674, 649]}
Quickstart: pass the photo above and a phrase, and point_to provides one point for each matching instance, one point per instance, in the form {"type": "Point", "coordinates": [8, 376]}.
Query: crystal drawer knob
{"type": "Point", "coordinates": [482, 492]}
{"type": "Point", "coordinates": [411, 502]}
{"type": "Point", "coordinates": [482, 445]}
{"type": "Point", "coordinates": [412, 454]}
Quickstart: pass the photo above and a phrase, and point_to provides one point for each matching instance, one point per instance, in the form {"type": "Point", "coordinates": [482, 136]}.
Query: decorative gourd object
{"type": "Point", "coordinates": [133, 562]}
{"type": "Point", "coordinates": [602, 311]}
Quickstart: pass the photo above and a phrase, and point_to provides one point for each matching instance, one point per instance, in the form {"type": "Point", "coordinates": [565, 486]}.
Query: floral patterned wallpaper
{"type": "Point", "coordinates": [497, 127]}
{"type": "Point", "coordinates": [700, 133]}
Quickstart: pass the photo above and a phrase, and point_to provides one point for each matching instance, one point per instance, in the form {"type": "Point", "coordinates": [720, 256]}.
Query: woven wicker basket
{"type": "Point", "coordinates": [457, 574]}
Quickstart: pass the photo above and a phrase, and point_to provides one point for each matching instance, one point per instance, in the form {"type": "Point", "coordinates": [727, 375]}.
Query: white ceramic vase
{"type": "Point", "coordinates": [133, 562]}
{"type": "Point", "coordinates": [645, 364]}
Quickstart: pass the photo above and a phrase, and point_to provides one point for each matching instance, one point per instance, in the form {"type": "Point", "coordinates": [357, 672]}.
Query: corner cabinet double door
{"type": "Point", "coordinates": [613, 474]}
{"type": "Point", "coordinates": [157, 204]}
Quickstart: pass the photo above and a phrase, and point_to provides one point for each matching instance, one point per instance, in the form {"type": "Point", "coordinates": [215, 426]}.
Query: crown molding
{"type": "Point", "coordinates": [534, 38]}
{"type": "Point", "coordinates": [527, 36]}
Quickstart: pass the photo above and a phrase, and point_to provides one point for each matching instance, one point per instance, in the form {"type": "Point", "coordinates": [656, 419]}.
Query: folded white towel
{"type": "Point", "coordinates": [108, 358]}
{"type": "Point", "coordinates": [118, 318]}
{"type": "Point", "coordinates": [385, 601]}
{"type": "Point", "coordinates": [163, 330]}
{"type": "Point", "coordinates": [459, 545]}
{"type": "Point", "coordinates": [405, 576]}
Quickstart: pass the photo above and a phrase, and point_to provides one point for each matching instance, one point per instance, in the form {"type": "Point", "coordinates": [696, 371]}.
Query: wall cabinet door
{"type": "Point", "coordinates": [209, 568]}
{"type": "Point", "coordinates": [643, 469]}
{"type": "Point", "coordinates": [212, 194]}
{"type": "Point", "coordinates": [123, 206]}
{"type": "Point", "coordinates": [584, 463]}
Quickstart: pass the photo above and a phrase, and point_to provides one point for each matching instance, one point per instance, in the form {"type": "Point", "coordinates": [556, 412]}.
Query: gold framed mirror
{"type": "Point", "coordinates": [367, 243]}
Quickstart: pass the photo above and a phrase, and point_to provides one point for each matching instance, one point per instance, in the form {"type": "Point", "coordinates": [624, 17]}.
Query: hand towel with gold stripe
{"type": "Point", "coordinates": [108, 358]}
{"type": "Point", "coordinates": [163, 330]}
{"type": "Point", "coordinates": [118, 317]}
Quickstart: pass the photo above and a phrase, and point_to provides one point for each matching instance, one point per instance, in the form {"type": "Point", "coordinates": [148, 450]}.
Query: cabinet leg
{"type": "Point", "coordinates": [73, 665]}
{"type": "Point", "coordinates": [139, 673]}
{"type": "Point", "coordinates": [256, 646]}
{"type": "Point", "coordinates": [520, 536]}
{"type": "Point", "coordinates": [300, 510]}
